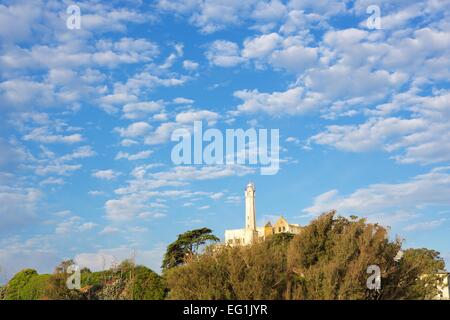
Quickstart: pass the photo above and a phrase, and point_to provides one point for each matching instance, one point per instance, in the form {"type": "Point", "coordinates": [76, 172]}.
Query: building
{"type": "Point", "coordinates": [443, 285]}
{"type": "Point", "coordinates": [251, 233]}
{"type": "Point", "coordinates": [444, 288]}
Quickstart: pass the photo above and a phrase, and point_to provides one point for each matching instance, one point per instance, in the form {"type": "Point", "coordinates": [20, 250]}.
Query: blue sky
{"type": "Point", "coordinates": [87, 114]}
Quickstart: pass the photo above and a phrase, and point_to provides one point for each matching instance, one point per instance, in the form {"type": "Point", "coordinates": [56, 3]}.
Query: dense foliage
{"type": "Point", "coordinates": [125, 281]}
{"type": "Point", "coordinates": [25, 285]}
{"type": "Point", "coordinates": [328, 260]}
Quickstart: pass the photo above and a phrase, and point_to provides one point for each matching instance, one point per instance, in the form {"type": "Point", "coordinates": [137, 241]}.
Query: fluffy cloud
{"type": "Point", "coordinates": [210, 16]}
{"type": "Point", "coordinates": [49, 163]}
{"type": "Point", "coordinates": [43, 135]}
{"type": "Point", "coordinates": [295, 58]}
{"type": "Point", "coordinates": [137, 156]}
{"type": "Point", "coordinates": [421, 138]}
{"type": "Point", "coordinates": [198, 115]}
{"type": "Point", "coordinates": [141, 109]}
{"type": "Point", "coordinates": [224, 54]}
{"type": "Point", "coordinates": [105, 174]}
{"type": "Point", "coordinates": [134, 130]}
{"type": "Point", "coordinates": [184, 119]}
{"type": "Point", "coordinates": [190, 65]}
{"type": "Point", "coordinates": [387, 201]}
{"type": "Point", "coordinates": [261, 46]}
{"type": "Point", "coordinates": [292, 101]}
{"type": "Point", "coordinates": [203, 173]}
{"type": "Point", "coordinates": [373, 134]}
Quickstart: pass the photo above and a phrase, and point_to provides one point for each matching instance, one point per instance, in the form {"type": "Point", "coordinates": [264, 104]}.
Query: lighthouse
{"type": "Point", "coordinates": [251, 234]}
{"type": "Point", "coordinates": [250, 211]}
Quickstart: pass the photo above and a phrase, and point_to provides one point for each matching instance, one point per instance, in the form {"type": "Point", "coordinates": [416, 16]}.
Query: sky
{"type": "Point", "coordinates": [361, 104]}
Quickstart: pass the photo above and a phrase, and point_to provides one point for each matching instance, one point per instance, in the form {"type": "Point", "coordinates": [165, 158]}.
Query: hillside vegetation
{"type": "Point", "coordinates": [327, 260]}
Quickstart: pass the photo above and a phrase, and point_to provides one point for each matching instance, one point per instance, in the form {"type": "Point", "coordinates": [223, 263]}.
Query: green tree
{"type": "Point", "coordinates": [16, 287]}
{"type": "Point", "coordinates": [147, 285]}
{"type": "Point", "coordinates": [186, 245]}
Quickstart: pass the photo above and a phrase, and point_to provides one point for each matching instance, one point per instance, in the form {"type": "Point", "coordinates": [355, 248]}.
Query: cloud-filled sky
{"type": "Point", "coordinates": [87, 116]}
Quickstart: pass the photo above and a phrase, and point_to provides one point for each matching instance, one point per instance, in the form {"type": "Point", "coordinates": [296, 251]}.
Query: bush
{"type": "Point", "coordinates": [148, 285]}
{"type": "Point", "coordinates": [23, 286]}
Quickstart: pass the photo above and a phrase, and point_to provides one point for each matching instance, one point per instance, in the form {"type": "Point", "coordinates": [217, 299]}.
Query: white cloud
{"type": "Point", "coordinates": [96, 193]}
{"type": "Point", "coordinates": [427, 225]}
{"type": "Point", "coordinates": [295, 58]}
{"type": "Point", "coordinates": [19, 93]}
{"type": "Point", "coordinates": [79, 153]}
{"type": "Point", "coordinates": [57, 168]}
{"type": "Point", "coordinates": [370, 135]}
{"type": "Point", "coordinates": [126, 207]}
{"type": "Point", "coordinates": [105, 174]}
{"type": "Point", "coordinates": [272, 10]}
{"type": "Point", "coordinates": [72, 224]}
{"type": "Point", "coordinates": [292, 101]}
{"type": "Point", "coordinates": [109, 230]}
{"type": "Point", "coordinates": [141, 109]}
{"type": "Point", "coordinates": [134, 130]}
{"type": "Point", "coordinates": [181, 100]}
{"type": "Point", "coordinates": [190, 65]}
{"type": "Point", "coordinates": [52, 181]}
{"type": "Point", "coordinates": [423, 137]}
{"type": "Point", "coordinates": [197, 115]}
{"type": "Point", "coordinates": [224, 53]}
{"type": "Point", "coordinates": [203, 173]}
{"type": "Point", "coordinates": [17, 254]}
{"type": "Point", "coordinates": [19, 206]}
{"type": "Point", "coordinates": [161, 134]}
{"type": "Point", "coordinates": [217, 195]}
{"type": "Point", "coordinates": [137, 156]}
{"type": "Point", "coordinates": [261, 46]}
{"type": "Point", "coordinates": [128, 142]}
{"type": "Point", "coordinates": [210, 16]}
{"type": "Point", "coordinates": [87, 226]}
{"type": "Point", "coordinates": [387, 200]}
{"type": "Point", "coordinates": [43, 135]}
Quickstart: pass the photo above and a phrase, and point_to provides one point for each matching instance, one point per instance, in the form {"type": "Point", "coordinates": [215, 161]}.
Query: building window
{"type": "Point", "coordinates": [284, 229]}
{"type": "Point", "coordinates": [279, 229]}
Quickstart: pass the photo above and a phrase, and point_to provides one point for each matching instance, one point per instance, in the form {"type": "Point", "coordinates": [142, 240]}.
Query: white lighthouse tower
{"type": "Point", "coordinates": [250, 211]}
{"type": "Point", "coordinates": [251, 233]}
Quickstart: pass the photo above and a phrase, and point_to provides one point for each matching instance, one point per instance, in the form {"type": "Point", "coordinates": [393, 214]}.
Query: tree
{"type": "Point", "coordinates": [16, 287]}
{"type": "Point", "coordinates": [147, 285]}
{"type": "Point", "coordinates": [186, 245]}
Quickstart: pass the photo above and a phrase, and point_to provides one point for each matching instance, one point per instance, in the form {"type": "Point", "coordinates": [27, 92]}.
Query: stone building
{"type": "Point", "coordinates": [251, 233]}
